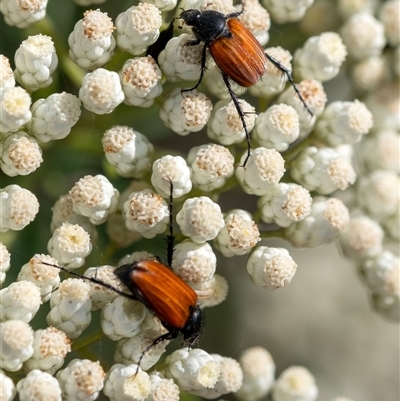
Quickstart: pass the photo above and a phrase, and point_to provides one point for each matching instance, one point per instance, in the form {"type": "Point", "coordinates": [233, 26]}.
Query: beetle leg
{"type": "Point", "coordinates": [203, 68]}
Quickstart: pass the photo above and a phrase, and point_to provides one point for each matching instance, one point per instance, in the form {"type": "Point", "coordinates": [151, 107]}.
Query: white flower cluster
{"type": "Point", "coordinates": [306, 155]}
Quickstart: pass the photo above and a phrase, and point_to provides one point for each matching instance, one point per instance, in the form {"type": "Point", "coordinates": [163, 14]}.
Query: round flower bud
{"type": "Point", "coordinates": [162, 388]}
{"type": "Point", "coordinates": [23, 13]}
{"type": "Point", "coordinates": [194, 263]}
{"type": "Point", "coordinates": [141, 81]}
{"type": "Point", "coordinates": [192, 369]}
{"type": "Point", "coordinates": [225, 125]}
{"type": "Point", "coordinates": [200, 219]}
{"type": "Point", "coordinates": [7, 386]}
{"type": "Point", "coordinates": [18, 208]}
{"type": "Point", "coordinates": [171, 171]}
{"type": "Point", "coordinates": [344, 122]}
{"type": "Point", "coordinates": [20, 154]}
{"type": "Point", "coordinates": [258, 374]}
{"type": "Point", "coordinates": [258, 21]}
{"type": "Point", "coordinates": [81, 380]}
{"type": "Point", "coordinates": [216, 289]}
{"type": "Point", "coordinates": [271, 268]}
{"type": "Point", "coordinates": [95, 198]}
{"type": "Point", "coordinates": [91, 43]}
{"type": "Point", "coordinates": [295, 383]}
{"type": "Point", "coordinates": [16, 344]}
{"type": "Point", "coordinates": [6, 73]}
{"type": "Point", "coordinates": [287, 11]}
{"type": "Point", "coordinates": [20, 300]}
{"type": "Point", "coordinates": [51, 346]}
{"type": "Point", "coordinates": [5, 262]}
{"type": "Point", "coordinates": [127, 382]}
{"type": "Point", "coordinates": [361, 239]}
{"type": "Point", "coordinates": [101, 91]}
{"type": "Point", "coordinates": [277, 127]}
{"type": "Point", "coordinates": [147, 213]}
{"type": "Point", "coordinates": [138, 27]}
{"type": "Point", "coordinates": [122, 318]}
{"type": "Point", "coordinates": [185, 112]}
{"type": "Point", "coordinates": [239, 235]}
{"type": "Point", "coordinates": [39, 385]}
{"type": "Point", "coordinates": [53, 117]}
{"type": "Point", "coordinates": [327, 218]}
{"type": "Point", "coordinates": [369, 73]}
{"type": "Point", "coordinates": [263, 171]}
{"type": "Point", "coordinates": [180, 62]}
{"type": "Point", "coordinates": [388, 16]}
{"type": "Point", "coordinates": [35, 61]}
{"type": "Point", "coordinates": [323, 170]}
{"type": "Point", "coordinates": [211, 166]}
{"type": "Point", "coordinates": [70, 244]}
{"type": "Point", "coordinates": [285, 204]}
{"type": "Point", "coordinates": [15, 104]}
{"type": "Point", "coordinates": [70, 307]}
{"type": "Point", "coordinates": [129, 151]}
{"type": "Point", "coordinates": [321, 57]}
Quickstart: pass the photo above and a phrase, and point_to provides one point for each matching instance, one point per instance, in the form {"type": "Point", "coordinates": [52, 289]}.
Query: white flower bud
{"type": "Point", "coordinates": [230, 379]}
{"type": "Point", "coordinates": [20, 300]}
{"type": "Point", "coordinates": [361, 239]}
{"type": "Point", "coordinates": [39, 385]}
{"type": "Point", "coordinates": [127, 382]}
{"type": "Point", "coordinates": [6, 73]}
{"type": "Point", "coordinates": [344, 122]}
{"type": "Point", "coordinates": [211, 166]}
{"type": "Point", "coordinates": [194, 263]}
{"type": "Point", "coordinates": [271, 268]}
{"type": "Point", "coordinates": [257, 20]}
{"type": "Point", "coordinates": [70, 307]}
{"type": "Point", "coordinates": [15, 104]}
{"type": "Point", "coordinates": [53, 117]}
{"type": "Point", "coordinates": [16, 344]}
{"type": "Point", "coordinates": [130, 350]}
{"type": "Point", "coordinates": [277, 127]}
{"type": "Point", "coordinates": [285, 204]}
{"type": "Point", "coordinates": [141, 81]}
{"type": "Point", "coordinates": [185, 112]}
{"type": "Point", "coordinates": [51, 346]}
{"type": "Point", "coordinates": [20, 154]}
{"type": "Point", "coordinates": [5, 262]}
{"type": "Point", "coordinates": [23, 13]}
{"type": "Point", "coordinates": [239, 235]}
{"type": "Point", "coordinates": [138, 27]}
{"type": "Point", "coordinates": [7, 386]}
{"type": "Point", "coordinates": [101, 91]}
{"type": "Point", "coordinates": [81, 380]}
{"type": "Point", "coordinates": [217, 287]}
{"type": "Point", "coordinates": [263, 171]}
{"type": "Point", "coordinates": [95, 198]}
{"type": "Point", "coordinates": [258, 374]}
{"type": "Point", "coordinates": [369, 73]}
{"type": "Point", "coordinates": [129, 151]}
{"type": "Point", "coordinates": [192, 369]}
{"type": "Point", "coordinates": [91, 43]}
{"type": "Point", "coordinates": [162, 389]}
{"type": "Point", "coordinates": [378, 193]}
{"type": "Point", "coordinates": [294, 384]}
{"type": "Point", "coordinates": [388, 14]}
{"type": "Point", "coordinates": [35, 61]}
{"type": "Point", "coordinates": [322, 170]}
{"type": "Point", "coordinates": [287, 10]}
{"type": "Point", "coordinates": [171, 170]}
{"type": "Point", "coordinates": [321, 57]}
{"type": "Point", "coordinates": [180, 62]}
{"type": "Point", "coordinates": [147, 213]}
{"type": "Point", "coordinates": [348, 8]}
{"type": "Point", "coordinates": [273, 81]}
{"type": "Point", "coordinates": [122, 318]}
{"type": "Point", "coordinates": [363, 36]}
{"type": "Point", "coordinates": [328, 216]}
{"type": "Point", "coordinates": [200, 219]}
{"type": "Point", "coordinates": [45, 277]}
{"type": "Point", "coordinates": [18, 208]}
{"type": "Point", "coordinates": [70, 244]}
{"type": "Point", "coordinates": [225, 125]}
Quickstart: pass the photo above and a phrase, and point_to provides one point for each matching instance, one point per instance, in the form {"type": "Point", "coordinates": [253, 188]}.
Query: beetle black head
{"type": "Point", "coordinates": [192, 329]}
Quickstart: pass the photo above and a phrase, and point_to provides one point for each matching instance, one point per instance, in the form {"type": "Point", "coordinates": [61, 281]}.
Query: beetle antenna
{"type": "Point", "coordinates": [285, 71]}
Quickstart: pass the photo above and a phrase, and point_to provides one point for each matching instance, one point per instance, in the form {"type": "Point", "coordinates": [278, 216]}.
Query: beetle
{"type": "Point", "coordinates": [235, 50]}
